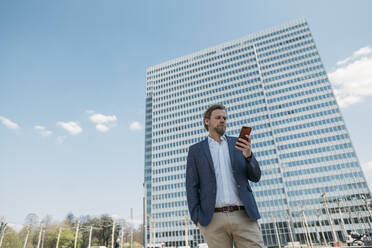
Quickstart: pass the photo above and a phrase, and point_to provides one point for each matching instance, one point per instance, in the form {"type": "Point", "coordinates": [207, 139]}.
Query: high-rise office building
{"type": "Point", "coordinates": [275, 82]}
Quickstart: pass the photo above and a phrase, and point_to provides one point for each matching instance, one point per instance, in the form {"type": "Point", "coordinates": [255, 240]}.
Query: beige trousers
{"type": "Point", "coordinates": [231, 228]}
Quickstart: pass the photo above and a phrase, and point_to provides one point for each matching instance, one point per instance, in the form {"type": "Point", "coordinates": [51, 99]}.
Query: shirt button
{"type": "Point", "coordinates": [238, 186]}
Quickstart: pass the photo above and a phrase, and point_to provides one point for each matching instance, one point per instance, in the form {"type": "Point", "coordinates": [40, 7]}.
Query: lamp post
{"type": "Point", "coordinates": [276, 231]}
{"type": "Point", "coordinates": [289, 220]}
{"type": "Point", "coordinates": [342, 219]}
{"type": "Point", "coordinates": [329, 217]}
{"type": "Point", "coordinates": [368, 209]}
{"type": "Point", "coordinates": [320, 227]}
{"type": "Point", "coordinates": [308, 236]}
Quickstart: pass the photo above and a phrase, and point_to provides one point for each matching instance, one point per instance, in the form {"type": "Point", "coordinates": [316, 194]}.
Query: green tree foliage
{"type": "Point", "coordinates": [11, 239]}
{"type": "Point", "coordinates": [101, 235]}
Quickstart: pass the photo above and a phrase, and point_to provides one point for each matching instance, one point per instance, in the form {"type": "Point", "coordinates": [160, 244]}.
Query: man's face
{"type": "Point", "coordinates": [217, 122]}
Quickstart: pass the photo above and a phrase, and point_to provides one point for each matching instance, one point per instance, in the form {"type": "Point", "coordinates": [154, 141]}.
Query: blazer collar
{"type": "Point", "coordinates": [207, 152]}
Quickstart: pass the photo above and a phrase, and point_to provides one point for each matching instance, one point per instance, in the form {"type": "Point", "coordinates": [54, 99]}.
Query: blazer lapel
{"type": "Point", "coordinates": [207, 153]}
{"type": "Point", "coordinates": [231, 145]}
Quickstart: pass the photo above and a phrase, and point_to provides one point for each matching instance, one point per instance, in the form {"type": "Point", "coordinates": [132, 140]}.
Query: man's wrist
{"type": "Point", "coordinates": [249, 157]}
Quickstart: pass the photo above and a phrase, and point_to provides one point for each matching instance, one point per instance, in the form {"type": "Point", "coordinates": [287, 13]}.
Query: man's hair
{"type": "Point", "coordinates": [208, 112]}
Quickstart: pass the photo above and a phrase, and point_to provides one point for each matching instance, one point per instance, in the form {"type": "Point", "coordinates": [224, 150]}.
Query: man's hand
{"type": "Point", "coordinates": [244, 146]}
{"type": "Point", "coordinates": [198, 224]}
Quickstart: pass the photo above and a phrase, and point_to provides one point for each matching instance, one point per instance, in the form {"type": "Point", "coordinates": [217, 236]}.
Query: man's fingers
{"type": "Point", "coordinates": [243, 141]}
{"type": "Point", "coordinates": [244, 145]}
{"type": "Point", "coordinates": [241, 146]}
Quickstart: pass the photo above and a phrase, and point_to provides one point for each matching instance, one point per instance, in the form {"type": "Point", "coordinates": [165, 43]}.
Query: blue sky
{"type": "Point", "coordinates": [72, 88]}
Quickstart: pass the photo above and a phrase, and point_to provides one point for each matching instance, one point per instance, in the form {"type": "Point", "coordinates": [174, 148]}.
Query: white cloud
{"type": "Point", "coordinates": [135, 125]}
{"type": "Point", "coordinates": [103, 122]}
{"type": "Point", "coordinates": [102, 128]}
{"type": "Point", "coordinates": [8, 123]}
{"type": "Point", "coordinates": [43, 131]}
{"type": "Point", "coordinates": [72, 127]}
{"type": "Point", "coordinates": [60, 139]}
{"type": "Point", "coordinates": [352, 79]}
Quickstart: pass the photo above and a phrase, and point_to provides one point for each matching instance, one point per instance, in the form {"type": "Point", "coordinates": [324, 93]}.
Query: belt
{"type": "Point", "coordinates": [229, 209]}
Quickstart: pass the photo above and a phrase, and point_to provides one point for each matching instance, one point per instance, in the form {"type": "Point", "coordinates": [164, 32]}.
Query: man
{"type": "Point", "coordinates": [219, 196]}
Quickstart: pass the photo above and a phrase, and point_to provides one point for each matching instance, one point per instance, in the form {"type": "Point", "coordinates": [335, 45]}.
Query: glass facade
{"type": "Point", "coordinates": [275, 82]}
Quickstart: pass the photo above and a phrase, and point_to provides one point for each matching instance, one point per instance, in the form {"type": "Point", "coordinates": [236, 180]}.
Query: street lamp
{"type": "Point", "coordinates": [324, 201]}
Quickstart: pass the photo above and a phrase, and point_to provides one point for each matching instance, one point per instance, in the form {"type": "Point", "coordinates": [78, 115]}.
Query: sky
{"type": "Point", "coordinates": [72, 89]}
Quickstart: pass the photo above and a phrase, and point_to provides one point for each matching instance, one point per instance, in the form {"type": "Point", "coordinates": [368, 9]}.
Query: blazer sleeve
{"type": "Point", "coordinates": [254, 171]}
{"type": "Point", "coordinates": [192, 187]}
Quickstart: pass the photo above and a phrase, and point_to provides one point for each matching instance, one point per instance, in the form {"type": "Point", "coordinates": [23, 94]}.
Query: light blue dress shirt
{"type": "Point", "coordinates": [227, 192]}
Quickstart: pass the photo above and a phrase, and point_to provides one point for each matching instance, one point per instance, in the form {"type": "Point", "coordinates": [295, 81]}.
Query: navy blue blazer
{"type": "Point", "coordinates": [201, 184]}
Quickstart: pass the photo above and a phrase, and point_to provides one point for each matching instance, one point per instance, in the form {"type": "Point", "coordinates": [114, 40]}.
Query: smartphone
{"type": "Point", "coordinates": [245, 130]}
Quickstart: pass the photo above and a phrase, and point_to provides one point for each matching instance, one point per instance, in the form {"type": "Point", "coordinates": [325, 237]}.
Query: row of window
{"type": "Point", "coordinates": [270, 192]}
{"type": "Point", "coordinates": [173, 204]}
{"type": "Point", "coordinates": [291, 67]}
{"type": "Point", "coordinates": [181, 105]}
{"type": "Point", "coordinates": [222, 84]}
{"type": "Point", "coordinates": [311, 133]}
{"type": "Point", "coordinates": [321, 169]}
{"type": "Point", "coordinates": [170, 214]}
{"type": "Point", "coordinates": [245, 50]}
{"type": "Point", "coordinates": [306, 108]}
{"type": "Point", "coordinates": [172, 168]}
{"type": "Point", "coordinates": [169, 178]}
{"type": "Point", "coordinates": [288, 61]}
{"type": "Point", "coordinates": [266, 172]}
{"type": "Point", "coordinates": [265, 153]}
{"type": "Point", "coordinates": [318, 179]}
{"type": "Point", "coordinates": [168, 187]}
{"type": "Point", "coordinates": [175, 80]}
{"type": "Point", "coordinates": [313, 142]}
{"type": "Point", "coordinates": [295, 86]}
{"type": "Point", "coordinates": [308, 125]}
{"type": "Point", "coordinates": [287, 41]}
{"type": "Point", "coordinates": [303, 100]}
{"type": "Point", "coordinates": [169, 195]}
{"type": "Point", "coordinates": [287, 55]}
{"type": "Point", "coordinates": [271, 203]}
{"type": "Point", "coordinates": [285, 30]}
{"type": "Point", "coordinates": [294, 73]}
{"type": "Point", "coordinates": [265, 182]}
{"type": "Point", "coordinates": [305, 117]}
{"type": "Point", "coordinates": [300, 80]}
{"type": "Point", "coordinates": [285, 48]}
{"type": "Point", "coordinates": [315, 151]}
{"type": "Point", "coordinates": [326, 189]}
{"type": "Point", "coordinates": [322, 159]}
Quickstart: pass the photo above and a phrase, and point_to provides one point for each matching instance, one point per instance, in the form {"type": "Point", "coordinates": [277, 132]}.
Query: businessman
{"type": "Point", "coordinates": [219, 196]}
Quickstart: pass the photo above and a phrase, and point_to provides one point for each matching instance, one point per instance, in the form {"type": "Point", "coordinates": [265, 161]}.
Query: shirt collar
{"type": "Point", "coordinates": [211, 140]}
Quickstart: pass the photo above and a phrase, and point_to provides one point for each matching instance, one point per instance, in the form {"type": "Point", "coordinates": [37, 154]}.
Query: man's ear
{"type": "Point", "coordinates": [206, 121]}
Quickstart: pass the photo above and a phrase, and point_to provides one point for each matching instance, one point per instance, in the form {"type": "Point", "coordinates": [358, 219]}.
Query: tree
{"type": "Point", "coordinates": [11, 239]}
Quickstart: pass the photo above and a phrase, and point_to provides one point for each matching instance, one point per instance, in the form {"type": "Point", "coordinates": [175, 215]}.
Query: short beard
{"type": "Point", "coordinates": [220, 131]}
